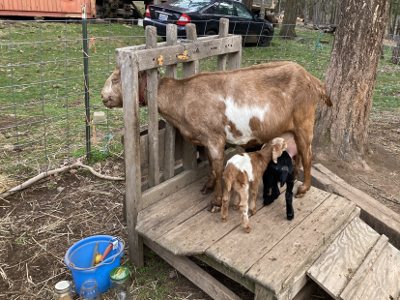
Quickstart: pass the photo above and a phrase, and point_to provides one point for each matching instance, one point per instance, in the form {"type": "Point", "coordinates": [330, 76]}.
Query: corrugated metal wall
{"type": "Point", "coordinates": [66, 8]}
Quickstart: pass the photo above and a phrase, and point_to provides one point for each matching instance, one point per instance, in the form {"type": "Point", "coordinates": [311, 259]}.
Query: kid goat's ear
{"type": "Point", "coordinates": [276, 152]}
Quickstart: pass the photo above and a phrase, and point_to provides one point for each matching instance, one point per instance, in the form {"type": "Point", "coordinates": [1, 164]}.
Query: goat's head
{"type": "Point", "coordinates": [111, 95]}
{"type": "Point", "coordinates": [278, 145]}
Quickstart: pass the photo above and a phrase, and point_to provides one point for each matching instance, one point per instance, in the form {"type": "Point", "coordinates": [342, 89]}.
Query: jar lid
{"type": "Point", "coordinates": [62, 286]}
{"type": "Point", "coordinates": [119, 273]}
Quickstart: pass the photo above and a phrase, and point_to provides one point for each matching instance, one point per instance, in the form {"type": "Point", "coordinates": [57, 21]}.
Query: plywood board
{"type": "Point", "coordinates": [279, 265]}
{"type": "Point", "coordinates": [382, 281]}
{"type": "Point", "coordinates": [338, 263]}
{"type": "Point", "coordinates": [363, 270]}
{"type": "Point", "coordinates": [268, 228]}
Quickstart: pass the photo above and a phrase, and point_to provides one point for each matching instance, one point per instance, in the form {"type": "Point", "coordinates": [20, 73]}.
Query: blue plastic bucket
{"type": "Point", "coordinates": [79, 257]}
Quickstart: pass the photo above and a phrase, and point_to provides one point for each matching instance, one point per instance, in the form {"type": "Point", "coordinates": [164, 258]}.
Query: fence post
{"type": "Point", "coordinates": [86, 78]}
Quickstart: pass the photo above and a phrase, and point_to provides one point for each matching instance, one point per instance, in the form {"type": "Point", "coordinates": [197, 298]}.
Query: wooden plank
{"type": "Point", "coordinates": [194, 273]}
{"type": "Point", "coordinates": [382, 281]}
{"type": "Point", "coordinates": [148, 59]}
{"type": "Point", "coordinates": [364, 268]}
{"type": "Point", "coordinates": [173, 185]}
{"type": "Point", "coordinates": [169, 151]}
{"type": "Point", "coordinates": [188, 69]}
{"type": "Point", "coordinates": [169, 212]}
{"type": "Point", "coordinates": [152, 90]}
{"type": "Point", "coordinates": [178, 182]}
{"type": "Point", "coordinates": [375, 214]}
{"type": "Point", "coordinates": [198, 233]}
{"type": "Point", "coordinates": [171, 71]}
{"type": "Point", "coordinates": [297, 280]}
{"type": "Point", "coordinates": [159, 45]}
{"type": "Point", "coordinates": [129, 78]}
{"type": "Point", "coordinates": [333, 269]}
{"type": "Point", "coordinates": [223, 32]}
{"type": "Point", "coordinates": [247, 283]}
{"type": "Point", "coordinates": [277, 268]}
{"type": "Point", "coordinates": [269, 227]}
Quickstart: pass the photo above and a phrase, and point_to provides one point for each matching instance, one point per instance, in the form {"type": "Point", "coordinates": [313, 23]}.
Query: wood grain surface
{"type": "Point", "coordinates": [340, 261]}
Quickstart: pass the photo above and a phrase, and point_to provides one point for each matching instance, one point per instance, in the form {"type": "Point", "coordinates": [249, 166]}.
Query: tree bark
{"type": "Point", "coordinates": [341, 131]}
{"type": "Point", "coordinates": [289, 20]}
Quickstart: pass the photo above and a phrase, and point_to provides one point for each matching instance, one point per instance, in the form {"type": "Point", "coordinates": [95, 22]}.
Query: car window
{"type": "Point", "coordinates": [193, 5]}
{"type": "Point", "coordinates": [224, 8]}
{"type": "Point", "coordinates": [242, 11]}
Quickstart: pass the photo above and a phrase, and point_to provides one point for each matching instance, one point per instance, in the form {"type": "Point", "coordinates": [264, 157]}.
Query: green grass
{"type": "Point", "coordinates": [42, 95]}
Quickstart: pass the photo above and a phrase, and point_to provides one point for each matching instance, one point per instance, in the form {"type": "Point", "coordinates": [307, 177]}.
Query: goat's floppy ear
{"type": "Point", "coordinates": [276, 152]}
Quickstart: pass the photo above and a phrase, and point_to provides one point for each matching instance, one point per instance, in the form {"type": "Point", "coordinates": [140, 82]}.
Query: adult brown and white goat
{"type": "Point", "coordinates": [245, 107]}
{"type": "Point", "coordinates": [243, 172]}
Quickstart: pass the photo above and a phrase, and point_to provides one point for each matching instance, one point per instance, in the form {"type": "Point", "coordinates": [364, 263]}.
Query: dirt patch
{"type": "Point", "coordinates": [383, 182]}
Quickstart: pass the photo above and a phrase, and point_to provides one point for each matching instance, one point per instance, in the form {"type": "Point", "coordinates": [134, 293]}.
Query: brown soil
{"type": "Point", "coordinates": [383, 181]}
{"type": "Point", "coordinates": [38, 225]}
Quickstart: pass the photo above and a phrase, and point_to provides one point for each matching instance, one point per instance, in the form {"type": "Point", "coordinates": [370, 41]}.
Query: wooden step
{"type": "Point", "coordinates": [363, 270]}
{"type": "Point", "coordinates": [381, 280]}
{"type": "Point", "coordinates": [334, 268]}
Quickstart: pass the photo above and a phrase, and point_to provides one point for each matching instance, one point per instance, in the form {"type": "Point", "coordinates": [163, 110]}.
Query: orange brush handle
{"type": "Point", "coordinates": [108, 249]}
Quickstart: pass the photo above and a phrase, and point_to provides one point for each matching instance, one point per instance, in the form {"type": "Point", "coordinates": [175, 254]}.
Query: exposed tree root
{"type": "Point", "coordinates": [42, 175]}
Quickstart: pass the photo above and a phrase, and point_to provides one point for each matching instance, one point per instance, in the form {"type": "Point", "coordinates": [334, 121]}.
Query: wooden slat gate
{"type": "Point", "coordinates": [132, 60]}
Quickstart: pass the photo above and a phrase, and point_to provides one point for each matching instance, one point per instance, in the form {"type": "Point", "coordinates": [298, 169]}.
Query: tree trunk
{"type": "Point", "coordinates": [393, 27]}
{"type": "Point", "coordinates": [305, 12]}
{"type": "Point", "coordinates": [341, 131]}
{"type": "Point", "coordinates": [289, 20]}
{"type": "Point", "coordinates": [396, 53]}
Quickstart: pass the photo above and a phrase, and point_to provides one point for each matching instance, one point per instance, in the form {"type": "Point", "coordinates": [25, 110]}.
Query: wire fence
{"type": "Point", "coordinates": [42, 88]}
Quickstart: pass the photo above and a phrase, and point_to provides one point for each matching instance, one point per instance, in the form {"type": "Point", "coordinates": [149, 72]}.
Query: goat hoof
{"type": "Point", "coordinates": [215, 209]}
{"type": "Point", "coordinates": [247, 229]}
{"type": "Point", "coordinates": [302, 190]}
{"type": "Point", "coordinates": [206, 190]}
{"type": "Point", "coordinates": [290, 217]}
{"type": "Point", "coordinates": [224, 220]}
{"type": "Point", "coordinates": [236, 207]}
{"type": "Point", "coordinates": [254, 211]}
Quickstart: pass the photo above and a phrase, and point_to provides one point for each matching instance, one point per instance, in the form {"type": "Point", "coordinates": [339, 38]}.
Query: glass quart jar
{"type": "Point", "coordinates": [89, 290]}
{"type": "Point", "coordinates": [63, 291]}
{"type": "Point", "coordinates": [120, 283]}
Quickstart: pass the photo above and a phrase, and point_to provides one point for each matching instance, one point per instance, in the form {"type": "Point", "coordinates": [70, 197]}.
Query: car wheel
{"type": "Point", "coordinates": [211, 32]}
{"type": "Point", "coordinates": [265, 38]}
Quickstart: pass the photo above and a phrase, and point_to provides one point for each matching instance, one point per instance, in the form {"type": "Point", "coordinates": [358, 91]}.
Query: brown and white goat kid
{"type": "Point", "coordinates": [245, 107]}
{"type": "Point", "coordinates": [243, 172]}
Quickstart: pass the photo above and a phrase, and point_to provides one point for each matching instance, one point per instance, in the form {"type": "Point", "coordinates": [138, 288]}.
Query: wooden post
{"type": "Point", "coordinates": [170, 135]}
{"type": "Point", "coordinates": [262, 294]}
{"type": "Point", "coordinates": [152, 88]}
{"type": "Point", "coordinates": [130, 87]}
{"type": "Point", "coordinates": [223, 32]}
{"type": "Point", "coordinates": [262, 9]}
{"type": "Point", "coordinates": [235, 60]}
{"type": "Point", "coordinates": [188, 69]}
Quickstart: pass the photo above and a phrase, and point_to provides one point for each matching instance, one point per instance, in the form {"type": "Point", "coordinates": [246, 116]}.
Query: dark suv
{"type": "Point", "coordinates": [206, 15]}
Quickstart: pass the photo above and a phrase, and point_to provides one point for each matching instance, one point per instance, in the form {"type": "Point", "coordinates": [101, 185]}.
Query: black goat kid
{"type": "Point", "coordinates": [282, 172]}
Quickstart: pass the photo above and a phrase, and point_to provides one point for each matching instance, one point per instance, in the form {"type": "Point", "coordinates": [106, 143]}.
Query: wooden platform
{"type": "Point", "coordinates": [271, 260]}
